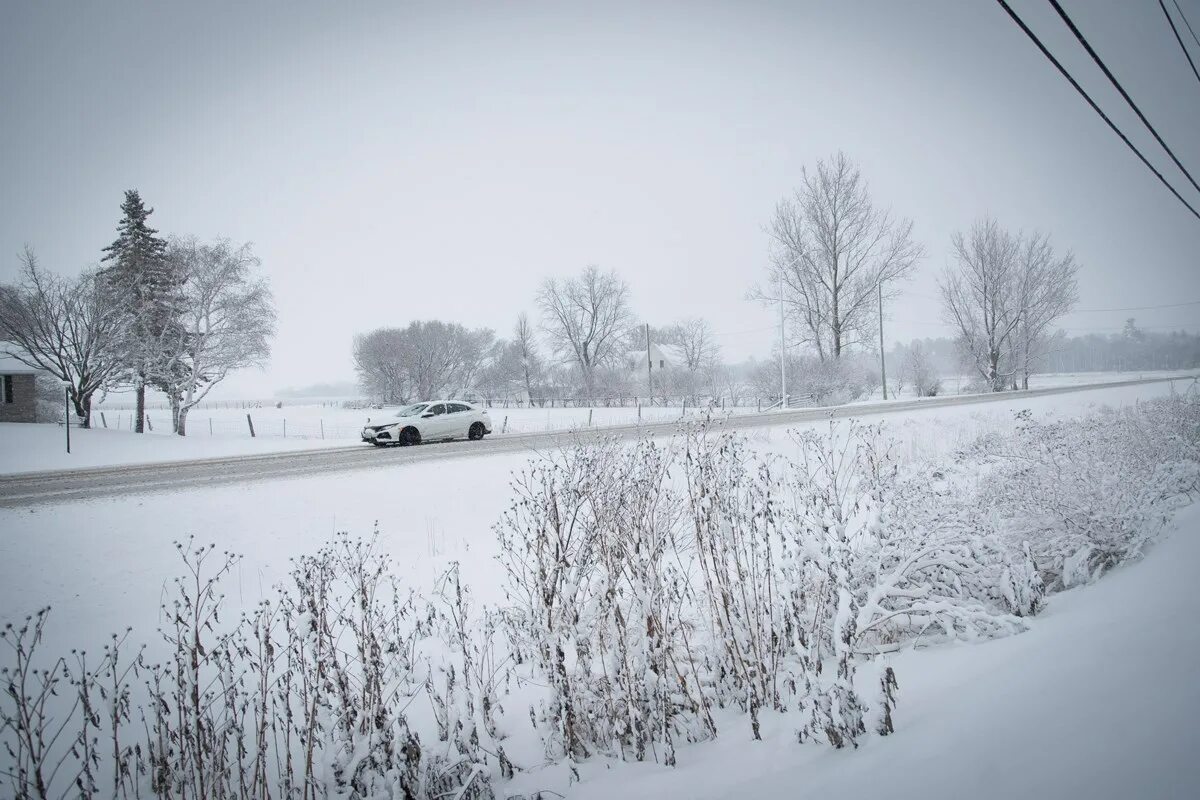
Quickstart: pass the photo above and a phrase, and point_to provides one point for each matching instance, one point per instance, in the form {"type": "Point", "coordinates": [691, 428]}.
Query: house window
{"type": "Point", "coordinates": [7, 381]}
{"type": "Point", "coordinates": [662, 364]}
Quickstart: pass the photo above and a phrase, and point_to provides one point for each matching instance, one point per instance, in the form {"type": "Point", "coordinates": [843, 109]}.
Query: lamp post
{"type": "Point", "coordinates": [67, 413]}
{"type": "Point", "coordinates": [783, 403]}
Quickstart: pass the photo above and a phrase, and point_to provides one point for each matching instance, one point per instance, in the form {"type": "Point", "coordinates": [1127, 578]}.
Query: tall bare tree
{"type": "Point", "coordinates": [422, 361]}
{"type": "Point", "coordinates": [698, 350]}
{"type": "Point", "coordinates": [919, 368]}
{"type": "Point", "coordinates": [225, 319]}
{"type": "Point", "coordinates": [1002, 298]}
{"type": "Point", "coordinates": [67, 327]}
{"type": "Point", "coordinates": [525, 344]}
{"type": "Point", "coordinates": [833, 251]}
{"type": "Point", "coordinates": [693, 337]}
{"type": "Point", "coordinates": [979, 297]}
{"type": "Point", "coordinates": [1047, 290]}
{"type": "Point", "coordinates": [380, 364]}
{"type": "Point", "coordinates": [586, 318]}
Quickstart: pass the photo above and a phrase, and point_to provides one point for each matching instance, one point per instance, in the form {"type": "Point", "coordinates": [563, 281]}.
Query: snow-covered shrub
{"type": "Point", "coordinates": [648, 586]}
{"type": "Point", "coordinates": [733, 512]}
{"type": "Point", "coordinates": [1088, 493]}
{"type": "Point", "coordinates": [599, 603]}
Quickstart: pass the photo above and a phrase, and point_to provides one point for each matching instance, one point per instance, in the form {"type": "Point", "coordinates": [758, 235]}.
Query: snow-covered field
{"type": "Point", "coordinates": [1108, 672]}
{"type": "Point", "coordinates": [223, 431]}
{"type": "Point", "coordinates": [428, 515]}
{"type": "Point", "coordinates": [315, 421]}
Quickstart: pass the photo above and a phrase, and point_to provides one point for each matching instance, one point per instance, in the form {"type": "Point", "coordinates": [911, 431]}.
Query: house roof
{"type": "Point", "coordinates": [11, 366]}
{"type": "Point", "coordinates": [672, 353]}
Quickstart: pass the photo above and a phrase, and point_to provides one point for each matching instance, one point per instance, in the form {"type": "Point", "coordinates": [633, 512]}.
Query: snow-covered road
{"type": "Point", "coordinates": [28, 489]}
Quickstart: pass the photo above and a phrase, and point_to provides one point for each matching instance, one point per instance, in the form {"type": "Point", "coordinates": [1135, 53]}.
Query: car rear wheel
{"type": "Point", "coordinates": [410, 436]}
{"type": "Point", "coordinates": [476, 431]}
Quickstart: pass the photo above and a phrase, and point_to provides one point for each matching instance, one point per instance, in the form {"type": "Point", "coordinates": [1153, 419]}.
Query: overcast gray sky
{"type": "Point", "coordinates": [463, 152]}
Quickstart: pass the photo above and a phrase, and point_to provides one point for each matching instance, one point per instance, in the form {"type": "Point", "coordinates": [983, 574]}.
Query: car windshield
{"type": "Point", "coordinates": [412, 411]}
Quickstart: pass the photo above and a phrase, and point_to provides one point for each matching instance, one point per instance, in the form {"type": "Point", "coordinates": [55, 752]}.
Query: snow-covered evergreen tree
{"type": "Point", "coordinates": [142, 282]}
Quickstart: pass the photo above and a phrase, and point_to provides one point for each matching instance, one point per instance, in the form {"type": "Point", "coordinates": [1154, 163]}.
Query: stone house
{"type": "Point", "coordinates": [18, 400]}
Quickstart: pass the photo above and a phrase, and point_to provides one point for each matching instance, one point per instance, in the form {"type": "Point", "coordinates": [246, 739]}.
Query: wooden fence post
{"type": "Point", "coordinates": [504, 427]}
{"type": "Point", "coordinates": [322, 427]}
{"type": "Point", "coordinates": [210, 426]}
{"type": "Point", "coordinates": [103, 420]}
{"type": "Point", "coordinates": [589, 417]}
{"type": "Point", "coordinates": [149, 424]}
{"type": "Point", "coordinates": [250, 422]}
{"type": "Point", "coordinates": [285, 427]}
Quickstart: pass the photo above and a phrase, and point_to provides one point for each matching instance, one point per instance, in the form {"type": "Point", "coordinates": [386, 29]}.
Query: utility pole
{"type": "Point", "coordinates": [649, 369]}
{"type": "Point", "coordinates": [67, 415]}
{"type": "Point", "coordinates": [783, 403]}
{"type": "Point", "coordinates": [882, 360]}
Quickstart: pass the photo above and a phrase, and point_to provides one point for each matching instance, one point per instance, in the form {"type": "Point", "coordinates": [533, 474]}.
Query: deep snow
{"type": "Point", "coordinates": [1097, 700]}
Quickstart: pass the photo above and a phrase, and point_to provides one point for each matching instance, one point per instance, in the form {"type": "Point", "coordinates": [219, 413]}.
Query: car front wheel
{"type": "Point", "coordinates": [476, 431]}
{"type": "Point", "coordinates": [410, 436]}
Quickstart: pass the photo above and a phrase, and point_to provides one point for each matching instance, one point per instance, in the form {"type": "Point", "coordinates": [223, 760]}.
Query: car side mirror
{"type": "Point", "coordinates": [427, 415]}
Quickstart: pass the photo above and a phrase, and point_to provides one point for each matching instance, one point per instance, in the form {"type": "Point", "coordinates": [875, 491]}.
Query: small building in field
{"type": "Point", "coordinates": [661, 358]}
{"type": "Point", "coordinates": [18, 400]}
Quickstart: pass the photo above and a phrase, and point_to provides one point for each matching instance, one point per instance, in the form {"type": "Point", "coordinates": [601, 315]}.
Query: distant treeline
{"type": "Point", "coordinates": [1133, 348]}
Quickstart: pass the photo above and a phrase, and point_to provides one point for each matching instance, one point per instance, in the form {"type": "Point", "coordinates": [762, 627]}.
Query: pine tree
{"type": "Point", "coordinates": [142, 280]}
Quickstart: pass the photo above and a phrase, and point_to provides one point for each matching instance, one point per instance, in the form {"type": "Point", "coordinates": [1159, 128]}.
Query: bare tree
{"type": "Point", "coordinates": [421, 361]}
{"type": "Point", "coordinates": [66, 327]}
{"type": "Point", "coordinates": [920, 370]}
{"type": "Point", "coordinates": [586, 318]}
{"type": "Point", "coordinates": [699, 352]}
{"type": "Point", "coordinates": [697, 345]}
{"type": "Point", "coordinates": [833, 252]}
{"type": "Point", "coordinates": [1047, 290]}
{"type": "Point", "coordinates": [380, 364]}
{"type": "Point", "coordinates": [225, 320]}
{"type": "Point", "coordinates": [978, 298]}
{"type": "Point", "coordinates": [1003, 297]}
{"type": "Point", "coordinates": [525, 343]}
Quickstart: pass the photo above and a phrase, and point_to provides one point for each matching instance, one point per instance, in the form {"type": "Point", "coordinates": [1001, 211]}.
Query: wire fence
{"type": "Point", "coordinates": [267, 419]}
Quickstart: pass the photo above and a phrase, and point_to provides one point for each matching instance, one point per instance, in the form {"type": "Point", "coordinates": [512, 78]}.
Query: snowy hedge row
{"type": "Point", "coordinates": [658, 594]}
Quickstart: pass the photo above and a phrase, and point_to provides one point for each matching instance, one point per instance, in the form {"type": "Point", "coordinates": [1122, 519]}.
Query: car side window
{"type": "Point", "coordinates": [458, 408]}
{"type": "Point", "coordinates": [438, 409]}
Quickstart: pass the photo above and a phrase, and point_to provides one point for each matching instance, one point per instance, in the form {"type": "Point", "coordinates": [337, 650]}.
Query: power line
{"type": "Point", "coordinates": [1178, 327]}
{"type": "Point", "coordinates": [1090, 310]}
{"type": "Point", "coordinates": [1113, 80]}
{"type": "Point", "coordinates": [748, 330]}
{"type": "Point", "coordinates": [1175, 31]}
{"type": "Point", "coordinates": [1185, 22]}
{"type": "Point", "coordinates": [1136, 308]}
{"type": "Point", "coordinates": [1033, 37]}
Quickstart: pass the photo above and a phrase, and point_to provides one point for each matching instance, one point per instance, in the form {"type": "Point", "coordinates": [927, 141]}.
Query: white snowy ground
{"type": "Point", "coordinates": [315, 421]}
{"type": "Point", "coordinates": [1098, 700]}
{"type": "Point", "coordinates": [31, 448]}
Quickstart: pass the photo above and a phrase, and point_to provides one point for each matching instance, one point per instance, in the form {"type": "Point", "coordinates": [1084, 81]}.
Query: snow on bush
{"type": "Point", "coordinates": [653, 591]}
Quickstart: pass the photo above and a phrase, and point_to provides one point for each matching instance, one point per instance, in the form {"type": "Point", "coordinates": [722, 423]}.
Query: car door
{"type": "Point", "coordinates": [461, 419]}
{"type": "Point", "coordinates": [435, 422]}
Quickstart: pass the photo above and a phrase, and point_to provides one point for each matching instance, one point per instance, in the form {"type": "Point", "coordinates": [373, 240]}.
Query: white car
{"type": "Point", "coordinates": [434, 420]}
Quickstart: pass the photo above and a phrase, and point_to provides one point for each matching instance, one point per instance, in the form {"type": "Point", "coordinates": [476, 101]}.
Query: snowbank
{"type": "Point", "coordinates": [1097, 700]}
